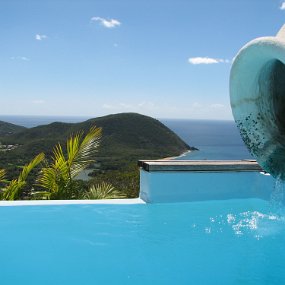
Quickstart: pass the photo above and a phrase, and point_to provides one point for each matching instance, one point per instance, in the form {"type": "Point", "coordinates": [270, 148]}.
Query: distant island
{"type": "Point", "coordinates": [127, 137]}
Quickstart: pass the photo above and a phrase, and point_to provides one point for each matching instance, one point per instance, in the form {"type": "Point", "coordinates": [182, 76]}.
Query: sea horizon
{"type": "Point", "coordinates": [30, 121]}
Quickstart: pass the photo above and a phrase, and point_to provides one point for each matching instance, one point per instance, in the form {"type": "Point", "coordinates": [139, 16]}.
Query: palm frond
{"type": "Point", "coordinates": [30, 166]}
{"type": "Point", "coordinates": [54, 175]}
{"type": "Point", "coordinates": [2, 174]}
{"type": "Point", "coordinates": [13, 189]}
{"type": "Point", "coordinates": [61, 168]}
{"type": "Point", "coordinates": [103, 191]}
{"type": "Point", "coordinates": [11, 192]}
{"type": "Point", "coordinates": [48, 179]}
{"type": "Point", "coordinates": [83, 153]}
{"type": "Point", "coordinates": [58, 154]}
{"type": "Point", "coordinates": [73, 146]}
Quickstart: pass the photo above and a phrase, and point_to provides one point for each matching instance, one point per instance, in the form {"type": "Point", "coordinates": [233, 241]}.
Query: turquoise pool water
{"type": "Point", "coordinates": [215, 242]}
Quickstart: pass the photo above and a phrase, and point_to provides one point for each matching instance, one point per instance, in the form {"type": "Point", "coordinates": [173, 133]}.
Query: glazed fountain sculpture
{"type": "Point", "coordinates": [257, 92]}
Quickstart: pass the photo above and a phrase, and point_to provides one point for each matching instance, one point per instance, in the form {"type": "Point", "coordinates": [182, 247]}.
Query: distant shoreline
{"type": "Point", "coordinates": [175, 157]}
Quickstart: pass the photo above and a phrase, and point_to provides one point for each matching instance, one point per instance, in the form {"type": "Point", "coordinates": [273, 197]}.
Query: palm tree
{"type": "Point", "coordinates": [14, 189]}
{"type": "Point", "coordinates": [58, 177]}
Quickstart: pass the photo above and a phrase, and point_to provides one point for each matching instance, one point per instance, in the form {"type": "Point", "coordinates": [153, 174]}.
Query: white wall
{"type": "Point", "coordinates": [173, 186]}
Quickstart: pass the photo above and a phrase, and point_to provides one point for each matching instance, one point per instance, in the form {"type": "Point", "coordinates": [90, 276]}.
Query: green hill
{"type": "Point", "coordinates": [9, 129]}
{"type": "Point", "coordinates": [127, 137]}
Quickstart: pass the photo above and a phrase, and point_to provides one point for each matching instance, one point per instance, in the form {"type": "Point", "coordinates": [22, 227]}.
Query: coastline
{"type": "Point", "coordinates": [175, 157]}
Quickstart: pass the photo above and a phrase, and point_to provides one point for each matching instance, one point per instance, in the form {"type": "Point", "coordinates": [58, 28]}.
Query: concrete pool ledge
{"type": "Point", "coordinates": [202, 180]}
{"type": "Point", "coordinates": [72, 202]}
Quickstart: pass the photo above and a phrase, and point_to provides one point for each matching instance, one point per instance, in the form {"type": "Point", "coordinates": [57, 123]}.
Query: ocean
{"type": "Point", "coordinates": [33, 121]}
{"type": "Point", "coordinates": [214, 139]}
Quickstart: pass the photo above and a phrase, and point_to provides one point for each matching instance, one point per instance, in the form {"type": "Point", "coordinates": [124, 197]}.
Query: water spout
{"type": "Point", "coordinates": [257, 91]}
{"type": "Point", "coordinates": [277, 197]}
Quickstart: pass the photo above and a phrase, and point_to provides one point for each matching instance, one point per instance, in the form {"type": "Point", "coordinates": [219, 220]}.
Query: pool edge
{"type": "Point", "coordinates": [71, 202]}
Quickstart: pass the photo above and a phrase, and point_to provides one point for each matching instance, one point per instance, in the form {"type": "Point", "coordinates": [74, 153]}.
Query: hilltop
{"type": "Point", "coordinates": [126, 137]}
{"type": "Point", "coordinates": [7, 129]}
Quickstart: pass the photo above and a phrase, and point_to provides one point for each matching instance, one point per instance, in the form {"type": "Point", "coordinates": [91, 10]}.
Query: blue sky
{"type": "Point", "coordinates": [163, 58]}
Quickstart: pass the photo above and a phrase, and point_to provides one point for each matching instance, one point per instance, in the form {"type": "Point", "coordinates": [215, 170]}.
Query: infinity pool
{"type": "Point", "coordinates": [216, 242]}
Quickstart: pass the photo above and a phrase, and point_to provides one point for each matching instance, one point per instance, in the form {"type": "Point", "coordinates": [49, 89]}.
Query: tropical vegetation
{"type": "Point", "coordinates": [12, 191]}
{"type": "Point", "coordinates": [57, 178]}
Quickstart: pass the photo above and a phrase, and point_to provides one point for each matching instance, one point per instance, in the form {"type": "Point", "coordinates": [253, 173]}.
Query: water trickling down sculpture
{"type": "Point", "coordinates": [257, 91]}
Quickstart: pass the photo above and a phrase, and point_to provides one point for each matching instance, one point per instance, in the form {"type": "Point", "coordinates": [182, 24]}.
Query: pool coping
{"type": "Point", "coordinates": [72, 202]}
{"type": "Point", "coordinates": [200, 165]}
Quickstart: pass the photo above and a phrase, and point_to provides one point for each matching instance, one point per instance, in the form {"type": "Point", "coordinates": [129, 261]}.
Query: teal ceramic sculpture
{"type": "Point", "coordinates": [257, 92]}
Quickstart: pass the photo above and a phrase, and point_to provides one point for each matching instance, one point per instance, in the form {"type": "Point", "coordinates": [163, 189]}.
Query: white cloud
{"type": "Point", "coordinates": [282, 7]}
{"type": "Point", "coordinates": [206, 110]}
{"type": "Point", "coordinates": [111, 23]}
{"type": "Point", "coordinates": [40, 37]}
{"type": "Point", "coordinates": [206, 60]}
{"type": "Point", "coordinates": [20, 58]}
